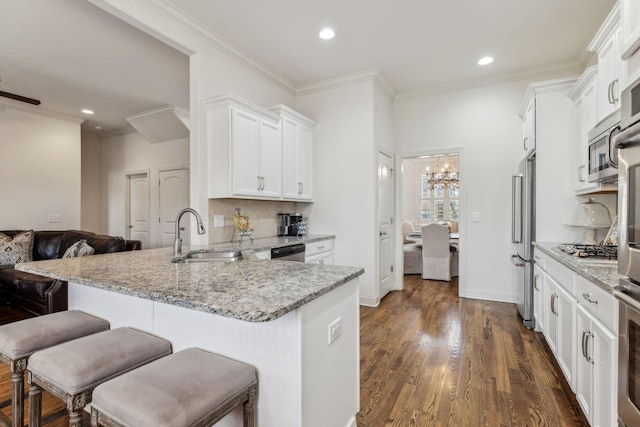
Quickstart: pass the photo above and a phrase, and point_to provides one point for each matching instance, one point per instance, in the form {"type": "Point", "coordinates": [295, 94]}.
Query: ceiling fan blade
{"type": "Point", "coordinates": [20, 98]}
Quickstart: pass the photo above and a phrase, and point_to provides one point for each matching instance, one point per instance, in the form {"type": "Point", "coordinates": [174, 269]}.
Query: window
{"type": "Point", "coordinates": [439, 204]}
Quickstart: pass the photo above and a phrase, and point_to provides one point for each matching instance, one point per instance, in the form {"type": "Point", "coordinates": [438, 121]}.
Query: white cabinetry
{"type": "Point", "coordinates": [606, 44]}
{"type": "Point", "coordinates": [538, 298]}
{"type": "Point", "coordinates": [559, 313]}
{"type": "Point", "coordinates": [529, 126]}
{"type": "Point", "coordinates": [630, 22]}
{"type": "Point", "coordinates": [297, 145]}
{"type": "Point", "coordinates": [597, 361]}
{"type": "Point", "coordinates": [245, 149]}
{"type": "Point", "coordinates": [320, 252]}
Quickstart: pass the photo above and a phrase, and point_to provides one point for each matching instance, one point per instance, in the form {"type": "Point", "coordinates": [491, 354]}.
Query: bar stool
{"type": "Point", "coordinates": [71, 371]}
{"type": "Point", "coordinates": [19, 340]}
{"type": "Point", "coordinates": [189, 388]}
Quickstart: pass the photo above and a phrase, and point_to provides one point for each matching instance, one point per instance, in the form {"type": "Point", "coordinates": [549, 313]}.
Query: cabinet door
{"type": "Point", "coordinates": [305, 167]}
{"type": "Point", "coordinates": [551, 313]}
{"type": "Point", "coordinates": [584, 365]}
{"type": "Point", "coordinates": [538, 298]}
{"type": "Point", "coordinates": [608, 76]}
{"type": "Point", "coordinates": [566, 307]}
{"type": "Point", "coordinates": [270, 159]}
{"type": "Point", "coordinates": [605, 376]}
{"type": "Point", "coordinates": [586, 119]}
{"type": "Point", "coordinates": [245, 130]}
{"type": "Point", "coordinates": [630, 16]}
{"type": "Point", "coordinates": [529, 127]}
{"type": "Point", "coordinates": [290, 136]}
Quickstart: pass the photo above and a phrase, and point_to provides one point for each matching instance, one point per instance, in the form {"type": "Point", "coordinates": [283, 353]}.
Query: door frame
{"type": "Point", "coordinates": [127, 200]}
{"type": "Point", "coordinates": [462, 225]}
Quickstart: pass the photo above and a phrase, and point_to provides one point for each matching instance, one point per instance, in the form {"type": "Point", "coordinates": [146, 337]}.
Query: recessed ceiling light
{"type": "Point", "coordinates": [485, 60]}
{"type": "Point", "coordinates": [327, 34]}
{"type": "Point", "coordinates": [87, 111]}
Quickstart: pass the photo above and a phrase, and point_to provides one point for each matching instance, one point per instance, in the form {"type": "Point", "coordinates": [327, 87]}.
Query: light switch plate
{"type": "Point", "coordinates": [54, 218]}
{"type": "Point", "coordinates": [218, 221]}
{"type": "Point", "coordinates": [476, 217]}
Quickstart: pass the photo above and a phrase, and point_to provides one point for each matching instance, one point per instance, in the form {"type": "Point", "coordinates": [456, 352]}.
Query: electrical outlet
{"type": "Point", "coordinates": [218, 221]}
{"type": "Point", "coordinates": [476, 217]}
{"type": "Point", "coordinates": [55, 218]}
{"type": "Point", "coordinates": [335, 329]}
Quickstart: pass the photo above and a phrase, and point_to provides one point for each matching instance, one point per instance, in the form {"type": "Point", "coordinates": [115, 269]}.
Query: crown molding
{"type": "Point", "coordinates": [372, 75]}
{"type": "Point", "coordinates": [547, 86]}
{"type": "Point", "coordinates": [585, 78]}
{"type": "Point", "coordinates": [232, 100]}
{"type": "Point", "coordinates": [604, 31]}
{"type": "Point", "coordinates": [16, 105]}
{"type": "Point", "coordinates": [540, 73]}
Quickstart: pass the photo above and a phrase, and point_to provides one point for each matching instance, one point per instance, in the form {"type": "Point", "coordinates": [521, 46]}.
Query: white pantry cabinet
{"type": "Point", "coordinates": [606, 44]}
{"type": "Point", "coordinates": [245, 149]}
{"type": "Point", "coordinates": [297, 146]}
{"type": "Point", "coordinates": [630, 22]}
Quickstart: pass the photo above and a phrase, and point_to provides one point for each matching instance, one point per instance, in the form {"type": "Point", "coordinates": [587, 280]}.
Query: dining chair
{"type": "Point", "coordinates": [411, 251]}
{"type": "Point", "coordinates": [437, 254]}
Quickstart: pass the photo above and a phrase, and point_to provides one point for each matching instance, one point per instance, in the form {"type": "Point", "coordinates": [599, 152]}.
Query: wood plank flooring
{"type": "Point", "coordinates": [429, 358]}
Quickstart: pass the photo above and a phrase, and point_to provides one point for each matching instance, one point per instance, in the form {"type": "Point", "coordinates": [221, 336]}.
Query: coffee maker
{"type": "Point", "coordinates": [288, 224]}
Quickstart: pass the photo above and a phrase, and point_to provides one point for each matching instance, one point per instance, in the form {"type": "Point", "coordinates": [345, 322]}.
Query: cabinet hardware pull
{"type": "Point", "coordinates": [586, 347]}
{"type": "Point", "coordinates": [614, 84]}
{"type": "Point", "coordinates": [580, 169]}
{"type": "Point", "coordinates": [589, 298]}
{"type": "Point", "coordinates": [536, 257]}
{"type": "Point", "coordinates": [584, 339]}
{"type": "Point", "coordinates": [554, 297]}
{"type": "Point", "coordinates": [320, 247]}
{"type": "Point", "coordinates": [609, 93]}
{"type": "Point", "coordinates": [524, 143]}
{"type": "Point", "coordinates": [535, 282]}
{"type": "Point", "coordinates": [608, 145]}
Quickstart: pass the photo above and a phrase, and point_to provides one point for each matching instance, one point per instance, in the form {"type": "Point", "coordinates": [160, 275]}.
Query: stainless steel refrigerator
{"type": "Point", "coordinates": [522, 234]}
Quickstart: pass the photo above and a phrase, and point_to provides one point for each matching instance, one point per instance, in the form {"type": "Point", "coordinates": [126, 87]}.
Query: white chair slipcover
{"type": "Point", "coordinates": [437, 257]}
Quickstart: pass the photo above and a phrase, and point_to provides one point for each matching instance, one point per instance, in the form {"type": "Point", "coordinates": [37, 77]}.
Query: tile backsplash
{"type": "Point", "coordinates": [263, 215]}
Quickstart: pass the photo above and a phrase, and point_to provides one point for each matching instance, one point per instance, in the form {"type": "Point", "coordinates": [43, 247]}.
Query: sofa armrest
{"type": "Point", "coordinates": [133, 245]}
{"type": "Point", "coordinates": [57, 297]}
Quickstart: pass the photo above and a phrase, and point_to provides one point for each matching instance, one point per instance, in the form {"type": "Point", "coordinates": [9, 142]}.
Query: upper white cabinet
{"type": "Point", "coordinates": [606, 44]}
{"type": "Point", "coordinates": [256, 153]}
{"type": "Point", "coordinates": [630, 20]}
{"type": "Point", "coordinates": [245, 149]}
{"type": "Point", "coordinates": [583, 94]}
{"type": "Point", "coordinates": [529, 126]}
{"type": "Point", "coordinates": [297, 145]}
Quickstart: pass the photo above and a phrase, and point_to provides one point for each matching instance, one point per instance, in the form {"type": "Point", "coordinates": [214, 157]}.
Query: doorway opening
{"type": "Point", "coordinates": [432, 194]}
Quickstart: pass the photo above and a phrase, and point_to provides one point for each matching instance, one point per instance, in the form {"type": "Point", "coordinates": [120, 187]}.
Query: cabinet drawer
{"type": "Point", "coordinates": [318, 247]}
{"type": "Point", "coordinates": [561, 274]}
{"type": "Point", "coordinates": [598, 302]}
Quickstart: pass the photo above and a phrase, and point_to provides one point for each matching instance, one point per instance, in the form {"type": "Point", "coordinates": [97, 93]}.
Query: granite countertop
{"type": "Point", "coordinates": [605, 276]}
{"type": "Point", "coordinates": [262, 244]}
{"type": "Point", "coordinates": [250, 289]}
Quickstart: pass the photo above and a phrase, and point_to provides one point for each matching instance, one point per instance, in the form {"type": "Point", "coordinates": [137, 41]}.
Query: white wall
{"type": "Point", "coordinates": [484, 122]}
{"type": "Point", "coordinates": [40, 173]}
{"type": "Point", "coordinates": [91, 188]}
{"type": "Point", "coordinates": [345, 182]}
{"type": "Point", "coordinates": [130, 152]}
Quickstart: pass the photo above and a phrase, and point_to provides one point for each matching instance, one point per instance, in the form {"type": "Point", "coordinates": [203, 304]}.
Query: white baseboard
{"type": "Point", "coordinates": [352, 422]}
{"type": "Point", "coordinates": [490, 296]}
{"type": "Point", "coordinates": [369, 301]}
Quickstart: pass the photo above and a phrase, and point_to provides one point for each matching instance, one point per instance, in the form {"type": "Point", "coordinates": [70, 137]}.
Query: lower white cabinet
{"type": "Point", "coordinates": [596, 370]}
{"type": "Point", "coordinates": [320, 252]}
{"type": "Point", "coordinates": [538, 298]}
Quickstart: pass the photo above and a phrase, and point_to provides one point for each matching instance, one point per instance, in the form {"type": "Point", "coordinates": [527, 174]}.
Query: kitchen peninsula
{"type": "Point", "coordinates": [272, 314]}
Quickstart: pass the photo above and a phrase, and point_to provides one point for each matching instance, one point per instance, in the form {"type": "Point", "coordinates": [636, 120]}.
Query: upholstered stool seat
{"type": "Point", "coordinates": [72, 370]}
{"type": "Point", "coordinates": [19, 340]}
{"type": "Point", "coordinates": [190, 388]}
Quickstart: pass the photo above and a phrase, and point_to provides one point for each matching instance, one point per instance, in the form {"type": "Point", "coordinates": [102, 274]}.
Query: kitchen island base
{"type": "Point", "coordinates": [303, 379]}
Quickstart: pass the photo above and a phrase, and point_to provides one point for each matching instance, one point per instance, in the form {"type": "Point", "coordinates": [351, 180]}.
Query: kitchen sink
{"type": "Point", "coordinates": [212, 256]}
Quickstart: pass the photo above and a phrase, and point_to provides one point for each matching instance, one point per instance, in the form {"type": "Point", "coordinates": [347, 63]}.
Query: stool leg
{"type": "Point", "coordinates": [75, 418]}
{"type": "Point", "coordinates": [35, 405]}
{"type": "Point", "coordinates": [17, 398]}
{"type": "Point", "coordinates": [249, 408]}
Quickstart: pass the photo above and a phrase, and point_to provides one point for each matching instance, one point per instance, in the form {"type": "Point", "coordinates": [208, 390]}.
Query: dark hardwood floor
{"type": "Point", "coordinates": [429, 358]}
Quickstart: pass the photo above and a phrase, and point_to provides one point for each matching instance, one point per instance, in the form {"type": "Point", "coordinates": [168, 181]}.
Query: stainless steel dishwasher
{"type": "Point", "coordinates": [289, 253]}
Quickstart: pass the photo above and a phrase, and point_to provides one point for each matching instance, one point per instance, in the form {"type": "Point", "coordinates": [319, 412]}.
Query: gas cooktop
{"type": "Point", "coordinates": [592, 253]}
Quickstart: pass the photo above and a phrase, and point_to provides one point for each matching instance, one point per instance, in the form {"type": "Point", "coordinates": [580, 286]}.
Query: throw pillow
{"type": "Point", "coordinates": [18, 249]}
{"type": "Point", "coordinates": [79, 248]}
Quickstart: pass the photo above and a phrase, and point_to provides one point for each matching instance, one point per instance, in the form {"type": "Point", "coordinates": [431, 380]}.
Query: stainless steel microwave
{"type": "Point", "coordinates": [630, 105]}
{"type": "Point", "coordinates": [603, 155]}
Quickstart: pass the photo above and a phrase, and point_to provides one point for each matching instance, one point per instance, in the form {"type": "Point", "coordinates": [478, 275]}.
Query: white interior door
{"type": "Point", "coordinates": [385, 223]}
{"type": "Point", "coordinates": [173, 197]}
{"type": "Point", "coordinates": [138, 212]}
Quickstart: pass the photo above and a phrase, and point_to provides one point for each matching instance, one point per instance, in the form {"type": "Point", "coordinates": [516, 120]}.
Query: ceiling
{"type": "Point", "coordinates": [86, 58]}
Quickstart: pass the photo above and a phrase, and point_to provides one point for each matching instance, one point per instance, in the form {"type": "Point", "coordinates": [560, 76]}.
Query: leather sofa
{"type": "Point", "coordinates": [43, 295]}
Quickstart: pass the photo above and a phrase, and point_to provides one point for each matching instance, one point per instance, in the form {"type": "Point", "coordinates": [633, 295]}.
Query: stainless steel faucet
{"type": "Point", "coordinates": [177, 243]}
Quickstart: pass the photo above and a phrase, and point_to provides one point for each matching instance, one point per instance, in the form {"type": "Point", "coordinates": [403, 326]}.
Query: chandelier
{"type": "Point", "coordinates": [442, 178]}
